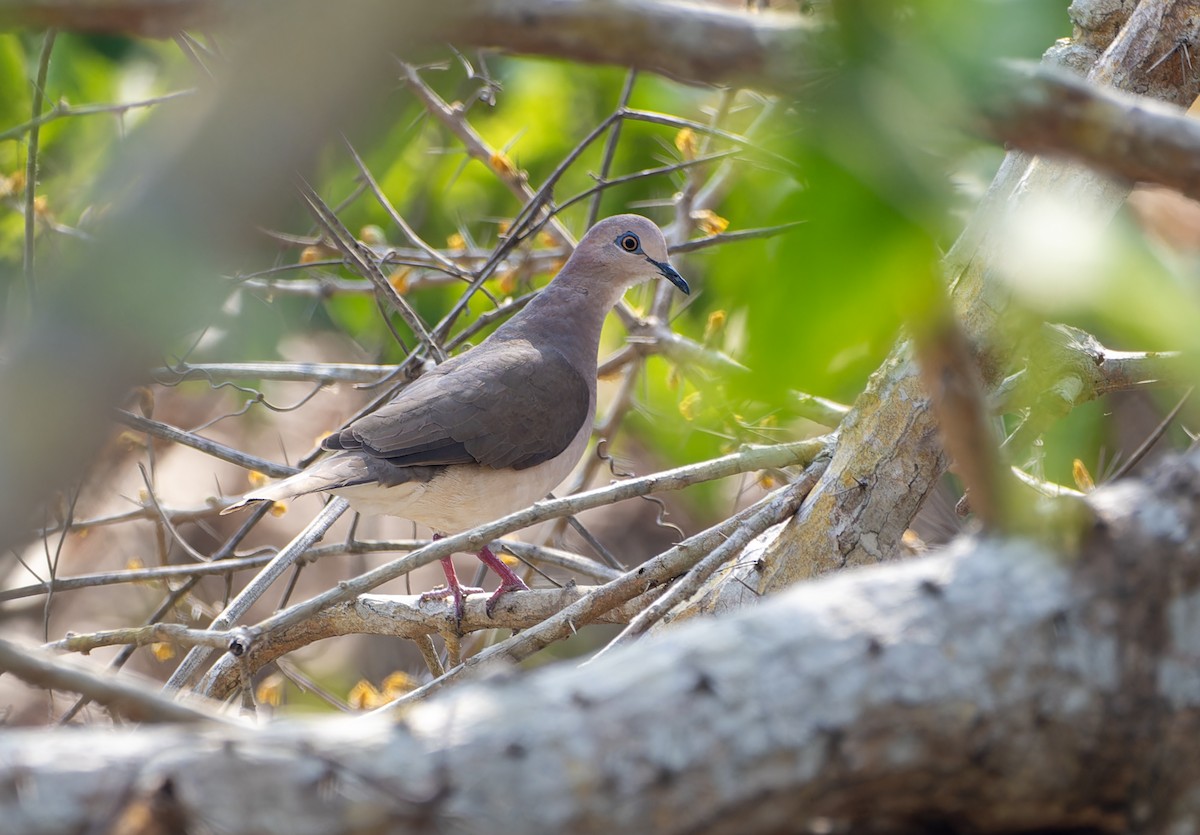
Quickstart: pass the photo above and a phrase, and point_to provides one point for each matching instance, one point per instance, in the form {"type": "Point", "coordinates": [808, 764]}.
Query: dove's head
{"type": "Point", "coordinates": [630, 248]}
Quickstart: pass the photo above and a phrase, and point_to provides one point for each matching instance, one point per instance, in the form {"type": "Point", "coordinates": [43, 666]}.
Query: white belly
{"type": "Point", "coordinates": [466, 495]}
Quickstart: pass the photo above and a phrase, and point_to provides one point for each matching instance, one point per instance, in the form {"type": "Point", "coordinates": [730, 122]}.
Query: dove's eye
{"type": "Point", "coordinates": [629, 242]}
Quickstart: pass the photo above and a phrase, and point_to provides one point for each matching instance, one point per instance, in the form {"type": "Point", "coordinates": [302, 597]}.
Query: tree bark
{"type": "Point", "coordinates": [889, 455]}
{"type": "Point", "coordinates": [998, 686]}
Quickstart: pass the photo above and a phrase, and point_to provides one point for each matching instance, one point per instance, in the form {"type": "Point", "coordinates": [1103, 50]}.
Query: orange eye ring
{"type": "Point", "coordinates": [629, 242]}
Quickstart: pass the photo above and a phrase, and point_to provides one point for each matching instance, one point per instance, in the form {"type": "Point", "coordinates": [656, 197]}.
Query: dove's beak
{"type": "Point", "coordinates": [670, 275]}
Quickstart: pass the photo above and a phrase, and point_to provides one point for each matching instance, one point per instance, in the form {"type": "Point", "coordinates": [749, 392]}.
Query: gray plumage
{"type": "Point", "coordinates": [496, 428]}
{"type": "Point", "coordinates": [449, 415]}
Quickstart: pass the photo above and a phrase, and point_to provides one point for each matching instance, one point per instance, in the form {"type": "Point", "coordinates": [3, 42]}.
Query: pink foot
{"type": "Point", "coordinates": [452, 589]}
{"type": "Point", "coordinates": [508, 580]}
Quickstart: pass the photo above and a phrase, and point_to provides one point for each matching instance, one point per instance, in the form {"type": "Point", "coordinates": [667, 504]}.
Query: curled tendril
{"type": "Point", "coordinates": [660, 519]}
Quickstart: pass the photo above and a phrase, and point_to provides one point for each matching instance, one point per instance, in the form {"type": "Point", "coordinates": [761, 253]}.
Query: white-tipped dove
{"type": "Point", "coordinates": [496, 428]}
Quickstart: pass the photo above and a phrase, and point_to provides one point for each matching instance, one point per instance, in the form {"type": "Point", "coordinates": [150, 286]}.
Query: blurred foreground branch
{"type": "Point", "coordinates": [696, 43]}
{"type": "Point", "coordinates": [1131, 137]}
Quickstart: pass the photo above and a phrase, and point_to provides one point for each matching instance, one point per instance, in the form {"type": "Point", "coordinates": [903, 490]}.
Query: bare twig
{"type": "Point", "coordinates": [141, 636]}
{"type": "Point", "coordinates": [209, 447]}
{"type": "Point", "coordinates": [495, 161]}
{"type": "Point", "coordinates": [62, 110]}
{"type": "Point", "coordinates": [610, 146]}
{"type": "Point", "coordinates": [135, 575]}
{"type": "Point", "coordinates": [444, 263]}
{"type": "Point", "coordinates": [282, 561]}
{"type": "Point", "coordinates": [365, 264]}
{"type": "Point", "coordinates": [296, 372]}
{"type": "Point", "coordinates": [731, 237]}
{"type": "Point", "coordinates": [1152, 438]}
{"type": "Point", "coordinates": [782, 506]}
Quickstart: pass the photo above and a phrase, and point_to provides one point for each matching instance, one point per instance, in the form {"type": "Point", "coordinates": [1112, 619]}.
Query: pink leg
{"type": "Point", "coordinates": [508, 580]}
{"type": "Point", "coordinates": [452, 587]}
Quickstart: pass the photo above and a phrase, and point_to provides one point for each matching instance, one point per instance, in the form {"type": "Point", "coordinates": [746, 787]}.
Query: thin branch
{"type": "Point", "coordinates": [429, 654]}
{"type": "Point", "coordinates": [135, 575]}
{"type": "Point", "coordinates": [753, 458]}
{"type": "Point", "coordinates": [733, 237]}
{"type": "Point", "coordinates": [129, 696]}
{"type": "Point", "coordinates": [62, 110]}
{"type": "Point", "coordinates": [140, 636]}
{"type": "Point", "coordinates": [819, 410]}
{"type": "Point", "coordinates": [293, 372]}
{"type": "Point", "coordinates": [209, 447]}
{"type": "Point", "coordinates": [783, 505]}
{"type": "Point", "coordinates": [365, 264]}
{"type": "Point", "coordinates": [610, 146]}
{"type": "Point", "coordinates": [604, 183]}
{"type": "Point", "coordinates": [31, 162]}
{"type": "Point", "coordinates": [253, 590]}
{"type": "Point", "coordinates": [444, 263]}
{"type": "Point", "coordinates": [1153, 438]}
{"type": "Point", "coordinates": [165, 520]}
{"type": "Point", "coordinates": [477, 147]}
{"type": "Point", "coordinates": [670, 121]}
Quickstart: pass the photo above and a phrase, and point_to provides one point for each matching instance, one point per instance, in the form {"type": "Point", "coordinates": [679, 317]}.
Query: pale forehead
{"type": "Point", "coordinates": [624, 223]}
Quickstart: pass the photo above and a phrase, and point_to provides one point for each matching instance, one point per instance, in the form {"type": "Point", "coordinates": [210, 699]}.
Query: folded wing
{"type": "Point", "coordinates": [514, 408]}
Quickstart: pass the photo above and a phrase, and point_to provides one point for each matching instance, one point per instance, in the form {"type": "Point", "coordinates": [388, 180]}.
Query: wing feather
{"type": "Point", "coordinates": [514, 407]}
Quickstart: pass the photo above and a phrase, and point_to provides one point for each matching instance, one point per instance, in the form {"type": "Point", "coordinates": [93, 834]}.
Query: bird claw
{"type": "Point", "coordinates": [508, 582]}
{"type": "Point", "coordinates": [490, 608]}
{"type": "Point", "coordinates": [459, 593]}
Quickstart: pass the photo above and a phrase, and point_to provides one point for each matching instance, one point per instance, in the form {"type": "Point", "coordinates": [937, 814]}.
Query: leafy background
{"type": "Point", "coordinates": [874, 164]}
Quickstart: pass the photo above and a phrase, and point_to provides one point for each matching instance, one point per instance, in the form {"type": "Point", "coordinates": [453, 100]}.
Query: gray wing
{"type": "Point", "coordinates": [515, 407]}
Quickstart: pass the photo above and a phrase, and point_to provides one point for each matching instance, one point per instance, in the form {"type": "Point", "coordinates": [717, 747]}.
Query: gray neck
{"type": "Point", "coordinates": [568, 315]}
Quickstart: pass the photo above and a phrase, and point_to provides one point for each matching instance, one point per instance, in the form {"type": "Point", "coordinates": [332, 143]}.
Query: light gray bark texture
{"type": "Point", "coordinates": [889, 454]}
{"type": "Point", "coordinates": [998, 686]}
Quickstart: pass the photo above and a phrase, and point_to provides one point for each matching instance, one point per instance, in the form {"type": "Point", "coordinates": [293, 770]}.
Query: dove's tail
{"type": "Point", "coordinates": [329, 474]}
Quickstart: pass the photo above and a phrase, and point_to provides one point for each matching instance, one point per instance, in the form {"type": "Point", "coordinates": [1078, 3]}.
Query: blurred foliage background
{"type": "Point", "coordinates": [818, 308]}
{"type": "Point", "coordinates": [872, 164]}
